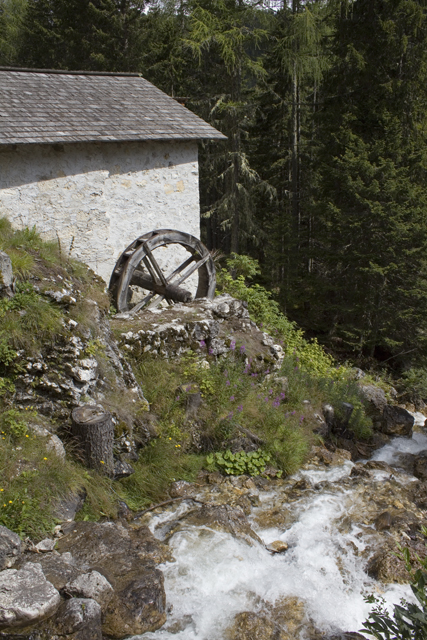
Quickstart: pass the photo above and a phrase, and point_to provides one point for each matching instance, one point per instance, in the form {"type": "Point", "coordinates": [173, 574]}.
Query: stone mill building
{"type": "Point", "coordinates": [96, 160]}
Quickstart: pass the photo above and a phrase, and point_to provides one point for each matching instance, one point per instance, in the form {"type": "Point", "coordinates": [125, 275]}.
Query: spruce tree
{"type": "Point", "coordinates": [371, 211]}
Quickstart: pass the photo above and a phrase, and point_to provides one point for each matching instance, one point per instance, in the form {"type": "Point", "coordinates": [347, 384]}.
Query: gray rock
{"type": "Point", "coordinates": [46, 545]}
{"type": "Point", "coordinates": [420, 465]}
{"type": "Point", "coordinates": [69, 506]}
{"type": "Point", "coordinates": [79, 619]}
{"type": "Point", "coordinates": [224, 518]}
{"type": "Point", "coordinates": [397, 421]}
{"type": "Point", "coordinates": [91, 585]}
{"type": "Point", "coordinates": [10, 548]}
{"type": "Point", "coordinates": [375, 398]}
{"type": "Point", "coordinates": [122, 469]}
{"type": "Point", "coordinates": [26, 597]}
{"type": "Point", "coordinates": [6, 276]}
{"type": "Point", "coordinates": [59, 569]}
{"type": "Point", "coordinates": [54, 445]}
{"type": "Point", "coordinates": [144, 610]}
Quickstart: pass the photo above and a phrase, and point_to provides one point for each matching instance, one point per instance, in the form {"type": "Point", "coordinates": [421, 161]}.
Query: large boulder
{"type": "Point", "coordinates": [138, 608]}
{"type": "Point", "coordinates": [376, 400]}
{"type": "Point", "coordinates": [10, 548]}
{"type": "Point", "coordinates": [127, 559]}
{"type": "Point", "coordinates": [26, 597]}
{"type": "Point", "coordinates": [252, 626]}
{"type": "Point", "coordinates": [397, 421]}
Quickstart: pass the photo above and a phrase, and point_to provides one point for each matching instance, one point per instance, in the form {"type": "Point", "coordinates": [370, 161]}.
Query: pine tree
{"type": "Point", "coordinates": [11, 18]}
{"type": "Point", "coordinates": [371, 212]}
{"type": "Point", "coordinates": [100, 35]}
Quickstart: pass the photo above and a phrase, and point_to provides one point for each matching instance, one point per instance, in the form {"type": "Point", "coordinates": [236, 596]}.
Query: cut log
{"type": "Point", "coordinates": [93, 430]}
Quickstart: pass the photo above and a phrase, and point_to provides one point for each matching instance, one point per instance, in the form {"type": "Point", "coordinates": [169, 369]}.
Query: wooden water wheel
{"type": "Point", "coordinates": [139, 279]}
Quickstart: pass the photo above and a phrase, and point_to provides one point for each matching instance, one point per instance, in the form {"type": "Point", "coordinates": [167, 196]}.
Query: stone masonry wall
{"type": "Point", "coordinates": [98, 197]}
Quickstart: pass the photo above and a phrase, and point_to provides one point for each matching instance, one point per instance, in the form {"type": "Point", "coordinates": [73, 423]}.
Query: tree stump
{"type": "Point", "coordinates": [94, 432]}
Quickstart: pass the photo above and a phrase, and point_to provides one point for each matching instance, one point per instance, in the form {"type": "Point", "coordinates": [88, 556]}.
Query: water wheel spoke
{"type": "Point", "coordinates": [181, 267]}
{"type": "Point", "coordinates": [194, 267]}
{"type": "Point", "coordinates": [142, 303]}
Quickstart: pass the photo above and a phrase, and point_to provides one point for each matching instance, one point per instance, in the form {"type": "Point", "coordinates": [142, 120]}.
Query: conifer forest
{"type": "Point", "coordinates": [323, 177]}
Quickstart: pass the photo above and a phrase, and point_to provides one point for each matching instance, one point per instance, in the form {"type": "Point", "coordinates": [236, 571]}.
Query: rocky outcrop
{"type": "Point", "coordinates": [127, 561]}
{"type": "Point", "coordinates": [215, 327]}
{"type": "Point", "coordinates": [103, 580]}
{"type": "Point", "coordinates": [397, 421]}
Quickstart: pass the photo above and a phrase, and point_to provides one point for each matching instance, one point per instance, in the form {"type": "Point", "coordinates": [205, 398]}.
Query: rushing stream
{"type": "Point", "coordinates": [319, 582]}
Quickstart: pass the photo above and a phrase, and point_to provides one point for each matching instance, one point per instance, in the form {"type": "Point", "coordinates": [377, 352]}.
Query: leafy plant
{"type": "Point", "coordinates": [13, 423]}
{"type": "Point", "coordinates": [235, 464]}
{"type": "Point", "coordinates": [409, 620]}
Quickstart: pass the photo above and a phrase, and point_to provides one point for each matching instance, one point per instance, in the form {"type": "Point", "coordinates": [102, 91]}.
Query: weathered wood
{"type": "Point", "coordinates": [93, 430]}
{"type": "Point", "coordinates": [175, 293]}
{"type": "Point", "coordinates": [128, 273]}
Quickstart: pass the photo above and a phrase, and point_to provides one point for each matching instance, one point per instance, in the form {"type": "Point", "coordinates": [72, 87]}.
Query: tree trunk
{"type": "Point", "coordinates": [93, 429]}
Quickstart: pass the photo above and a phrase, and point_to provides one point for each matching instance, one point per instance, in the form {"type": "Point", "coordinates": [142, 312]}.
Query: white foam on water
{"type": "Point", "coordinates": [331, 474]}
{"type": "Point", "coordinates": [216, 576]}
{"type": "Point", "coordinates": [390, 452]}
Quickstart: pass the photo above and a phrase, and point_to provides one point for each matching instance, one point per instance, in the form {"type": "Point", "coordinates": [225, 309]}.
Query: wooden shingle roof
{"type": "Point", "coordinates": [55, 107]}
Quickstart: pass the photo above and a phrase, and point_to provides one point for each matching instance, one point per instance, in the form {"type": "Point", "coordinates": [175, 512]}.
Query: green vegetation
{"type": "Point", "coordinates": [236, 464]}
{"type": "Point", "coordinates": [239, 397]}
{"type": "Point", "coordinates": [409, 620]}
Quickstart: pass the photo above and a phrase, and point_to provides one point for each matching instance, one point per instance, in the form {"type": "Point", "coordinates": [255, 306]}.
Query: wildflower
{"type": "Point", "coordinates": [270, 391]}
{"type": "Point", "coordinates": [266, 399]}
{"type": "Point", "coordinates": [268, 371]}
{"type": "Point", "coordinates": [301, 419]}
{"type": "Point", "coordinates": [232, 345]}
{"type": "Point", "coordinates": [27, 436]}
{"type": "Point", "coordinates": [23, 502]}
{"type": "Point", "coordinates": [102, 462]}
{"type": "Point", "coordinates": [282, 395]}
{"type": "Point", "coordinates": [4, 505]}
{"type": "Point", "coordinates": [211, 351]}
{"type": "Point", "coordinates": [10, 501]}
{"type": "Point", "coordinates": [232, 398]}
{"type": "Point", "coordinates": [1, 489]}
{"type": "Point", "coordinates": [177, 398]}
{"type": "Point", "coordinates": [170, 438]}
{"type": "Point", "coordinates": [240, 407]}
{"type": "Point", "coordinates": [230, 415]}
{"type": "Point", "coordinates": [242, 349]}
{"type": "Point", "coordinates": [44, 458]}
{"type": "Point", "coordinates": [276, 403]}
{"type": "Point", "coordinates": [202, 344]}
{"type": "Point", "coordinates": [227, 382]}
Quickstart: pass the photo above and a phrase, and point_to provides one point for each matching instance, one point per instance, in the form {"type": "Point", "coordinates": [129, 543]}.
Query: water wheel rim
{"type": "Point", "coordinates": [134, 254]}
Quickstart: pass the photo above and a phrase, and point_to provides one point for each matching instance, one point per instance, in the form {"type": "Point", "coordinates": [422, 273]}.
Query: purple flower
{"type": "Point", "coordinates": [276, 403]}
{"type": "Point", "coordinates": [232, 398]}
{"type": "Point", "coordinates": [242, 349]}
{"type": "Point", "coordinates": [230, 415]}
{"type": "Point", "coordinates": [293, 413]}
{"type": "Point", "coordinates": [296, 369]}
{"type": "Point", "coordinates": [252, 384]}
{"type": "Point", "coordinates": [232, 345]}
{"type": "Point", "coordinates": [266, 399]}
{"type": "Point", "coordinates": [282, 395]}
{"type": "Point", "coordinates": [270, 391]}
{"type": "Point", "coordinates": [227, 382]}
{"type": "Point", "coordinates": [268, 371]}
{"type": "Point", "coordinates": [240, 407]}
{"type": "Point", "coordinates": [301, 419]}
{"type": "Point", "coordinates": [202, 344]}
{"type": "Point", "coordinates": [177, 398]}
{"type": "Point", "coordinates": [210, 351]}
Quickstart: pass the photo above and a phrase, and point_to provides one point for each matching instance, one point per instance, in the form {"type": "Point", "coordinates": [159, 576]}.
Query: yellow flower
{"type": "Point", "coordinates": [27, 436]}
{"type": "Point", "coordinates": [44, 458]}
{"type": "Point", "coordinates": [1, 489]}
{"type": "Point", "coordinates": [10, 501]}
{"type": "Point", "coordinates": [23, 502]}
{"type": "Point", "coordinates": [102, 462]}
{"type": "Point", "coordinates": [4, 505]}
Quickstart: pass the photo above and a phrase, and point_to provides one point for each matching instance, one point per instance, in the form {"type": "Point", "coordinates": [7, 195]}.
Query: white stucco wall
{"type": "Point", "coordinates": [98, 197]}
